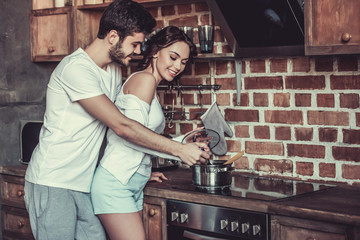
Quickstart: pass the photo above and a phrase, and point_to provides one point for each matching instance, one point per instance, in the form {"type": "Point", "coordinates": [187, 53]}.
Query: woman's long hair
{"type": "Point", "coordinates": [163, 39]}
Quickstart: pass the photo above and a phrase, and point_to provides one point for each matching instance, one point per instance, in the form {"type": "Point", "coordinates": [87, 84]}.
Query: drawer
{"type": "Point", "coordinates": [15, 223]}
{"type": "Point", "coordinates": [12, 191]}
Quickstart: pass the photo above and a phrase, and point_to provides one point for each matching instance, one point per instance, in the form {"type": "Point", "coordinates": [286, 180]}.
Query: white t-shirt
{"type": "Point", "coordinates": [120, 158]}
{"type": "Point", "coordinates": [70, 138]}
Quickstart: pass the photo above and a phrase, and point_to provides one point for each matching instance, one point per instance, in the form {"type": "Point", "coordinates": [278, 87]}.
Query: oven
{"type": "Point", "coordinates": [194, 221]}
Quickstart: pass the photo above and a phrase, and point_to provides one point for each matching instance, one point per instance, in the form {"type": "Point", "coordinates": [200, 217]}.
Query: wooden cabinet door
{"type": "Point", "coordinates": [332, 27]}
{"type": "Point", "coordinates": [154, 216]}
{"type": "Point", "coordinates": [285, 228]}
{"type": "Point", "coordinates": [15, 223]}
{"type": "Point", "coordinates": [50, 34]}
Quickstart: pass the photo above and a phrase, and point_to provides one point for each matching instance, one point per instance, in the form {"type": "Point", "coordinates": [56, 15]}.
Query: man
{"type": "Point", "coordinates": [79, 106]}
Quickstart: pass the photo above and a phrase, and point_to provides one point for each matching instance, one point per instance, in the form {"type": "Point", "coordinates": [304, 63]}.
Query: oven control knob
{"type": "Point", "coordinates": [234, 226]}
{"type": "Point", "coordinates": [223, 223]}
{"type": "Point", "coordinates": [256, 229]}
{"type": "Point", "coordinates": [245, 227]}
{"type": "Point", "coordinates": [183, 217]}
{"type": "Point", "coordinates": [174, 216]}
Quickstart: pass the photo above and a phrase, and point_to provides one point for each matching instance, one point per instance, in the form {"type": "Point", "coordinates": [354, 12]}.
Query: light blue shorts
{"type": "Point", "coordinates": [109, 195]}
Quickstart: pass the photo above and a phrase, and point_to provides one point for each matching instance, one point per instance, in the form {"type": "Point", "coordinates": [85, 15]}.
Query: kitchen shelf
{"type": "Point", "coordinates": [189, 87]}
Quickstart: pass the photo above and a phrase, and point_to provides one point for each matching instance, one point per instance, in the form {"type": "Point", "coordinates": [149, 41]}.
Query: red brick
{"type": "Point", "coordinates": [195, 113]}
{"type": "Point", "coordinates": [305, 168]}
{"type": "Point", "coordinates": [201, 7]}
{"type": "Point", "coordinates": [263, 83]}
{"type": "Point", "coordinates": [282, 99]}
{"type": "Point", "coordinates": [347, 63]}
{"type": "Point", "coordinates": [223, 99]}
{"type": "Point", "coordinates": [358, 119]}
{"type": "Point", "coordinates": [324, 64]}
{"type": "Point", "coordinates": [187, 71]}
{"type": "Point", "coordinates": [282, 133]}
{"type": "Point", "coordinates": [233, 146]}
{"type": "Point", "coordinates": [288, 117]}
{"type": "Point", "coordinates": [304, 134]}
{"type": "Point", "coordinates": [325, 100]}
{"type": "Point", "coordinates": [244, 99]}
{"type": "Point", "coordinates": [184, 8]}
{"type": "Point", "coordinates": [351, 136]}
{"type": "Point", "coordinates": [190, 21]}
{"type": "Point", "coordinates": [264, 148]}
{"type": "Point", "coordinates": [218, 36]}
{"type": "Point", "coordinates": [262, 132]}
{"type": "Point", "coordinates": [242, 163]}
{"type": "Point", "coordinates": [191, 81]}
{"type": "Point", "coordinates": [153, 11]}
{"type": "Point", "coordinates": [302, 100]}
{"type": "Point", "coordinates": [222, 67]}
{"type": "Point", "coordinates": [202, 68]}
{"type": "Point", "coordinates": [204, 19]}
{"type": "Point", "coordinates": [260, 99]}
{"type": "Point", "coordinates": [170, 98]}
{"type": "Point", "coordinates": [188, 99]}
{"type": "Point", "coordinates": [308, 151]}
{"type": "Point", "coordinates": [346, 153]}
{"type": "Point", "coordinates": [168, 11]}
{"type": "Point", "coordinates": [328, 118]}
{"type": "Point", "coordinates": [241, 115]}
{"type": "Point", "coordinates": [273, 166]}
{"type": "Point", "coordinates": [301, 64]}
{"type": "Point", "coordinates": [351, 171]}
{"type": "Point", "coordinates": [205, 99]}
{"type": "Point", "coordinates": [257, 66]}
{"type": "Point", "coordinates": [328, 134]}
{"type": "Point", "coordinates": [226, 83]}
{"type": "Point", "coordinates": [242, 131]}
{"type": "Point", "coordinates": [327, 170]}
{"type": "Point", "coordinates": [278, 65]}
{"type": "Point", "coordinates": [345, 82]}
{"type": "Point", "coordinates": [305, 82]}
{"type": "Point", "coordinates": [186, 127]}
{"type": "Point", "coordinates": [169, 130]}
{"type": "Point", "coordinates": [349, 100]}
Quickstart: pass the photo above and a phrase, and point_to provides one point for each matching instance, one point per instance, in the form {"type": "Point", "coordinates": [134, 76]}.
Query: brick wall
{"type": "Point", "coordinates": [299, 117]}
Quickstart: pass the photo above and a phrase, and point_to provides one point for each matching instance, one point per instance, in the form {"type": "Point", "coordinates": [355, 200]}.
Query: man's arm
{"type": "Point", "coordinates": [104, 110]}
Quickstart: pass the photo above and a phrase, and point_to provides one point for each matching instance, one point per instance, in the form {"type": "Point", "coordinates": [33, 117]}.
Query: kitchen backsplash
{"type": "Point", "coordinates": [299, 117]}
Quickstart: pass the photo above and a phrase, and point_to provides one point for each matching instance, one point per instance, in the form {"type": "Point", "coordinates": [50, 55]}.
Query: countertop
{"type": "Point", "coordinates": [340, 204]}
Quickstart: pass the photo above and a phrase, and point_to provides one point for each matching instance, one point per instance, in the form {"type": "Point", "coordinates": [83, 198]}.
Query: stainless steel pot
{"type": "Point", "coordinates": [214, 174]}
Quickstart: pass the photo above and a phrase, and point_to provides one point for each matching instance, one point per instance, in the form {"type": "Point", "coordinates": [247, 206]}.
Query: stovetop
{"type": "Point", "coordinates": [253, 187]}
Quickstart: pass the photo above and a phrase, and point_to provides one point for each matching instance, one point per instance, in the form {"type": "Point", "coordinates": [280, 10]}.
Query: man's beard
{"type": "Point", "coordinates": [117, 54]}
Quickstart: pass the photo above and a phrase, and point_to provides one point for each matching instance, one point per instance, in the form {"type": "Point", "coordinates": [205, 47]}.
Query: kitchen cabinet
{"type": "Point", "coordinates": [154, 217]}
{"type": "Point", "coordinates": [14, 217]}
{"type": "Point", "coordinates": [284, 228]}
{"type": "Point", "coordinates": [332, 27]}
{"type": "Point", "coordinates": [51, 34]}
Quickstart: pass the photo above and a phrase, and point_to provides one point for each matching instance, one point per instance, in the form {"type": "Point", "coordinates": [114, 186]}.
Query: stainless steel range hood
{"type": "Point", "coordinates": [257, 28]}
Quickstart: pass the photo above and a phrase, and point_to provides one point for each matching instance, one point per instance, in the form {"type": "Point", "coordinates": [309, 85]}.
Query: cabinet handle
{"type": "Point", "coordinates": [20, 224]}
{"type": "Point", "coordinates": [345, 37]}
{"type": "Point", "coordinates": [20, 193]}
{"type": "Point", "coordinates": [51, 49]}
{"type": "Point", "coordinates": [153, 212]}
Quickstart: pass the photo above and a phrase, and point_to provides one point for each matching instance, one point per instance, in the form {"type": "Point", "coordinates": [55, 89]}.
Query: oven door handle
{"type": "Point", "coordinates": [197, 236]}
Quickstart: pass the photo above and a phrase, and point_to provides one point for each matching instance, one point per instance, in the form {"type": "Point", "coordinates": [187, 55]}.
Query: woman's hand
{"type": "Point", "coordinates": [157, 177]}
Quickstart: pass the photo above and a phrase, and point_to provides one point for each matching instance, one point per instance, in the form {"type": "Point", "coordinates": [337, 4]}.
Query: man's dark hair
{"type": "Point", "coordinates": [125, 17]}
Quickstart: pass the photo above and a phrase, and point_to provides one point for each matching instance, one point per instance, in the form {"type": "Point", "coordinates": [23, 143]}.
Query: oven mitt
{"type": "Point", "coordinates": [213, 119]}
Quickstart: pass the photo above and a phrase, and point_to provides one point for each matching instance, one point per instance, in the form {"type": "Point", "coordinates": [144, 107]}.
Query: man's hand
{"type": "Point", "coordinates": [157, 177]}
{"type": "Point", "coordinates": [194, 153]}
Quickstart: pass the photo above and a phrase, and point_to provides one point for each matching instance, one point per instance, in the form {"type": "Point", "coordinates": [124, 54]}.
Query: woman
{"type": "Point", "coordinates": [117, 189]}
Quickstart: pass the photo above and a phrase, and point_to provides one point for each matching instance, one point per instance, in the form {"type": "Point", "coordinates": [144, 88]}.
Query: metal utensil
{"type": "Point", "coordinates": [234, 158]}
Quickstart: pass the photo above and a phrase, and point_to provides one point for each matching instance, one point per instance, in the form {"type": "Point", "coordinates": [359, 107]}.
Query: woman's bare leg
{"type": "Point", "coordinates": [123, 226]}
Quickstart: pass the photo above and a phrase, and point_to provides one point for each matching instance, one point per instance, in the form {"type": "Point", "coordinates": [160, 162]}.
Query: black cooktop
{"type": "Point", "coordinates": [254, 187]}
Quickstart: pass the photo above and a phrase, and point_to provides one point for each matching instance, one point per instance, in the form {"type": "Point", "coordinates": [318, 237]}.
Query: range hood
{"type": "Point", "coordinates": [260, 28]}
